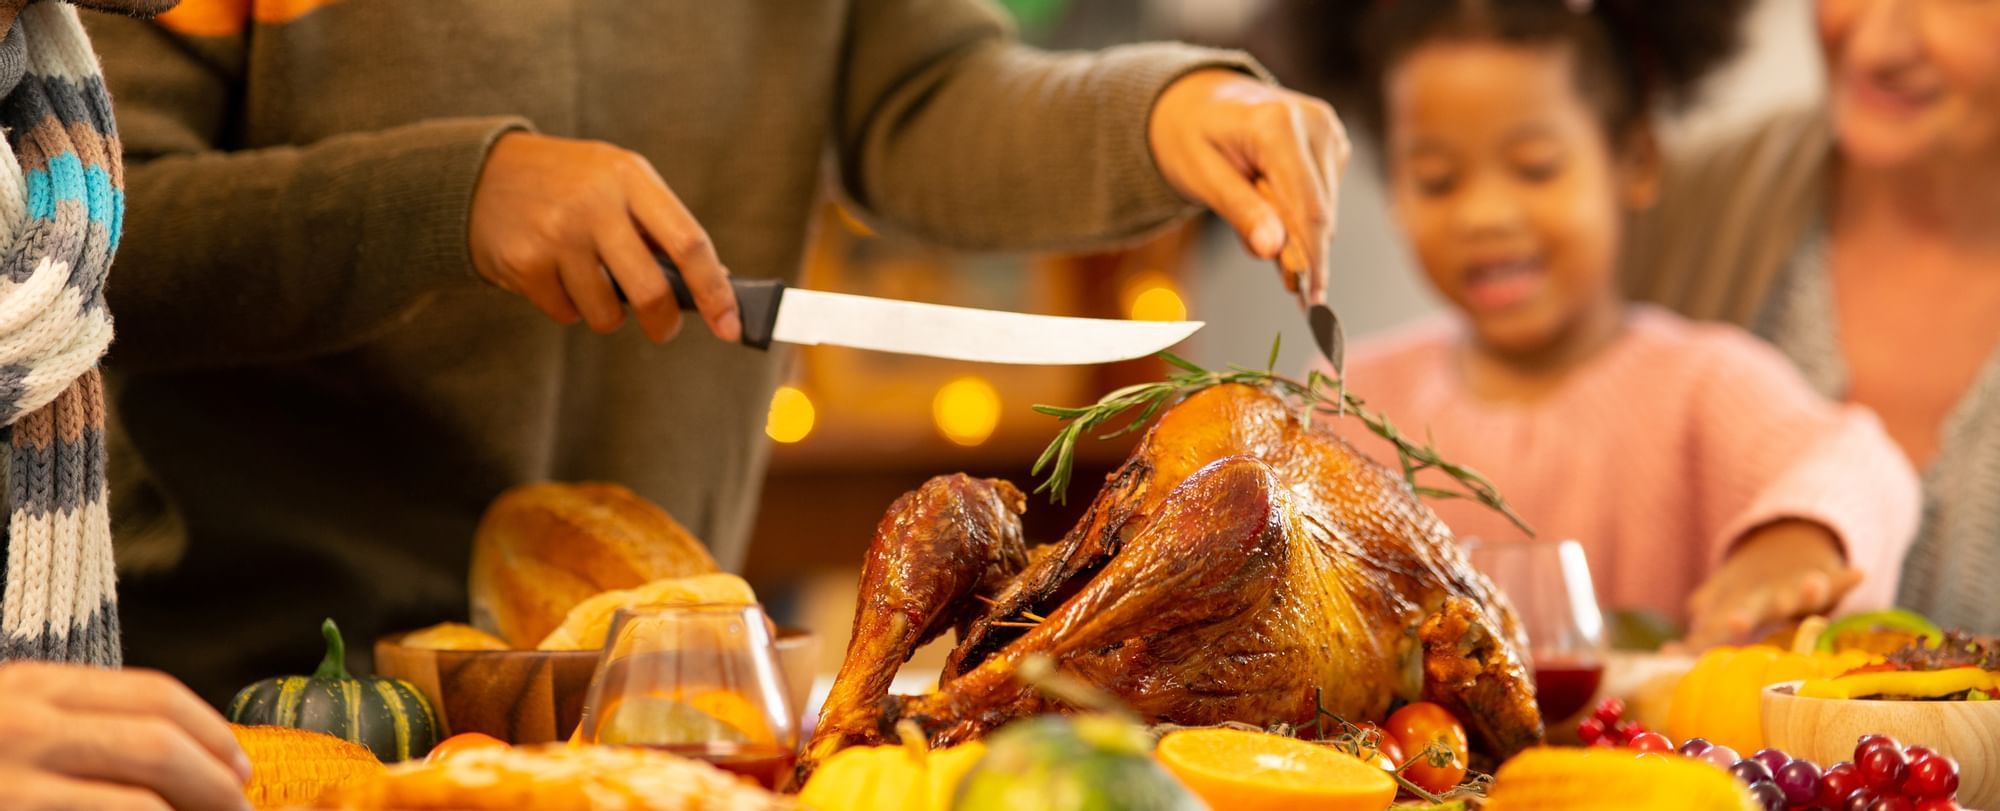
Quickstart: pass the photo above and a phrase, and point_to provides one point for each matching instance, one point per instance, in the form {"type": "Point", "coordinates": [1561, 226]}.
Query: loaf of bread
{"type": "Point", "coordinates": [556, 778]}
{"type": "Point", "coordinates": [589, 622]}
{"type": "Point", "coordinates": [452, 636]}
{"type": "Point", "coordinates": [543, 548]}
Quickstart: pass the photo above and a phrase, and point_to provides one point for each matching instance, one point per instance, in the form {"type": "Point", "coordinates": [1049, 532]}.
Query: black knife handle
{"type": "Point", "coordinates": [756, 301]}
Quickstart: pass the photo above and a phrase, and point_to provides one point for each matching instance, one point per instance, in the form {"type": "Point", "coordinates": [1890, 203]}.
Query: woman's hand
{"type": "Point", "coordinates": [1266, 159]}
{"type": "Point", "coordinates": [81, 738]}
{"type": "Point", "coordinates": [551, 215]}
{"type": "Point", "coordinates": [1783, 571]}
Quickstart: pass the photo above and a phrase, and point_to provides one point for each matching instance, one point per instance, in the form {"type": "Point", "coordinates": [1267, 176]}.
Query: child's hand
{"type": "Point", "coordinates": [1780, 572]}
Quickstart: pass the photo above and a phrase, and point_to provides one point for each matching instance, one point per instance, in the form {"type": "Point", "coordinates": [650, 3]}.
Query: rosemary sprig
{"type": "Point", "coordinates": [1318, 393]}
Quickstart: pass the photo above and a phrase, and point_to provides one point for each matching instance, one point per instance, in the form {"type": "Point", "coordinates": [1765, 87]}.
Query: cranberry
{"type": "Point", "coordinates": [1609, 711]}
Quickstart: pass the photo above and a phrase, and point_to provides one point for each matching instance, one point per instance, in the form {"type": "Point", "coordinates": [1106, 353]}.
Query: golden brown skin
{"type": "Point", "coordinates": [1238, 565]}
{"type": "Point", "coordinates": [938, 546]}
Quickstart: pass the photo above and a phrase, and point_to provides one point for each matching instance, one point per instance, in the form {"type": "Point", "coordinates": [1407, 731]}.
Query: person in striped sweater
{"type": "Point", "coordinates": [73, 732]}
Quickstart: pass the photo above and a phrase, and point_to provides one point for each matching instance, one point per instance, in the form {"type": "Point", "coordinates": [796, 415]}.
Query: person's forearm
{"type": "Point", "coordinates": [292, 251]}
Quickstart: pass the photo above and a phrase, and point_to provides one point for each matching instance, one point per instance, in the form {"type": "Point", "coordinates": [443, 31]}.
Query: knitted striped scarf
{"type": "Point", "coordinates": [61, 201]}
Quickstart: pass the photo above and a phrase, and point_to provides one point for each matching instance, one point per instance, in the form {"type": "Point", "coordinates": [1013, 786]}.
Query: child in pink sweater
{"type": "Point", "coordinates": [1703, 477]}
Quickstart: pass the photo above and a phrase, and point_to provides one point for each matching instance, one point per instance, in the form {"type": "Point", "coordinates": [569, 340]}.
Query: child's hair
{"type": "Point", "coordinates": [1632, 55]}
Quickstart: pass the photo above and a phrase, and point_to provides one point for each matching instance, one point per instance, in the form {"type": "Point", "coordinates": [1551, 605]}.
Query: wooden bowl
{"type": "Point", "coordinates": [1824, 730]}
{"type": "Point", "coordinates": [526, 696]}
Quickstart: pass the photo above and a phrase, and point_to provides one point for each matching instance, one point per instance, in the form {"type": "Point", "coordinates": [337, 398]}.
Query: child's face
{"type": "Point", "coordinates": [1508, 188]}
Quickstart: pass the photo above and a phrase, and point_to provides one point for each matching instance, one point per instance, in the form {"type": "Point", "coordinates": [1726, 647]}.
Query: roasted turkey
{"type": "Point", "coordinates": [1240, 566]}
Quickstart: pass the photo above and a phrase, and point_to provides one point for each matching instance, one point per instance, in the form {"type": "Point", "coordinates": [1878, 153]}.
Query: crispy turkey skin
{"type": "Point", "coordinates": [1239, 566]}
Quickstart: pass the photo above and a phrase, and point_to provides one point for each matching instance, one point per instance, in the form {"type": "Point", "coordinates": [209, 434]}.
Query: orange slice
{"type": "Point", "coordinates": [1253, 771]}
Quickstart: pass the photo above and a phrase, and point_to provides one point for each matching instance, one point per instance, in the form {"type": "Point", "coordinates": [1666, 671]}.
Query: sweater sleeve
{"type": "Point", "coordinates": [952, 131]}
{"type": "Point", "coordinates": [1772, 449]}
{"type": "Point", "coordinates": [291, 251]}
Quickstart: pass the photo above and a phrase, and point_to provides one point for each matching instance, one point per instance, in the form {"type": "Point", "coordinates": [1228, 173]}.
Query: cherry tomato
{"type": "Point", "coordinates": [1416, 728]}
{"type": "Point", "coordinates": [1375, 741]}
{"type": "Point", "coordinates": [1652, 742]}
{"type": "Point", "coordinates": [1932, 776]}
{"type": "Point", "coordinates": [463, 742]}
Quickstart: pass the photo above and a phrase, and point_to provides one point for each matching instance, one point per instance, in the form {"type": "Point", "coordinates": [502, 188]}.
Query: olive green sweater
{"type": "Point", "coordinates": [325, 394]}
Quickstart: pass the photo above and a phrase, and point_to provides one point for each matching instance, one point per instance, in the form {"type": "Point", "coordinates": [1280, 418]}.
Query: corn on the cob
{"type": "Point", "coordinates": [1613, 779]}
{"type": "Point", "coordinates": [292, 767]}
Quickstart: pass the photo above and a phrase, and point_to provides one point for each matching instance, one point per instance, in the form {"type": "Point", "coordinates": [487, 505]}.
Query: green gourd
{"type": "Point", "coordinates": [388, 716]}
{"type": "Point", "coordinates": [1086, 763]}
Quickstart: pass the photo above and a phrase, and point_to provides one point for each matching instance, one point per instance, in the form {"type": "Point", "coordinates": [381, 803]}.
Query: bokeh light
{"type": "Point", "coordinates": [1156, 300]}
{"type": "Point", "coordinates": [966, 410]}
{"type": "Point", "coordinates": [791, 416]}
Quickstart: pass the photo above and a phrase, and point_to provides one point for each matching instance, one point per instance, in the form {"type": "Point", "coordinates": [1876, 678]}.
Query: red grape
{"type": "Point", "coordinates": [1589, 730]}
{"type": "Point", "coordinates": [1868, 741]}
{"type": "Point", "coordinates": [1750, 771]}
{"type": "Point", "coordinates": [1722, 756]}
{"type": "Point", "coordinates": [1860, 799]}
{"type": "Point", "coordinates": [1892, 803]}
{"type": "Point", "coordinates": [1932, 775]}
{"type": "Point", "coordinates": [1800, 781]}
{"type": "Point", "coordinates": [1767, 794]}
{"type": "Point", "coordinates": [1939, 804]}
{"type": "Point", "coordinates": [1772, 759]}
{"type": "Point", "coordinates": [1839, 780]}
{"type": "Point", "coordinates": [1916, 752]}
{"type": "Point", "coordinates": [1884, 767]}
{"type": "Point", "coordinates": [1695, 746]}
{"type": "Point", "coordinates": [1609, 711]}
{"type": "Point", "coordinates": [1651, 742]}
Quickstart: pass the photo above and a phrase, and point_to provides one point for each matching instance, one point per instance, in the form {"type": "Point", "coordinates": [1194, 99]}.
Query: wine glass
{"type": "Point", "coordinates": [699, 681]}
{"type": "Point", "coordinates": [1548, 583]}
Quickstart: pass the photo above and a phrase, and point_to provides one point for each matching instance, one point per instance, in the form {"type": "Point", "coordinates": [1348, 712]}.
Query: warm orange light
{"type": "Point", "coordinates": [791, 416]}
{"type": "Point", "coordinates": [966, 410]}
{"type": "Point", "coordinates": [1157, 300]}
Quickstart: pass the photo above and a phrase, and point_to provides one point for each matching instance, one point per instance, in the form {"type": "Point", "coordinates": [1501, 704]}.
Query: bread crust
{"type": "Point", "coordinates": [542, 548]}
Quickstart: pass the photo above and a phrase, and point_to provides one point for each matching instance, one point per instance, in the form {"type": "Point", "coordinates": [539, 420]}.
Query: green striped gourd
{"type": "Point", "coordinates": [388, 716]}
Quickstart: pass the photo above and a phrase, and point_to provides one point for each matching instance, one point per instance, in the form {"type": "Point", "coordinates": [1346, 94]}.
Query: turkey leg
{"type": "Point", "coordinates": [938, 547]}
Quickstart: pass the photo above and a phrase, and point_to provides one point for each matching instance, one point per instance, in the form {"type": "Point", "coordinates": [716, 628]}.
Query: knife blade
{"type": "Point", "coordinates": [1326, 332]}
{"type": "Point", "coordinates": [1320, 318]}
{"type": "Point", "coordinates": [774, 311]}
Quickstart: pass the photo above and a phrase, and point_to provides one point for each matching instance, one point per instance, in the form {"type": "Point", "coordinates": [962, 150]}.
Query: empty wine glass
{"type": "Point", "coordinates": [698, 681]}
{"type": "Point", "coordinates": [1548, 583]}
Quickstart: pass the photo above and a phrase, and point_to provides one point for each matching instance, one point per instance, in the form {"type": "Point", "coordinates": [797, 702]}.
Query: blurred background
{"type": "Point", "coordinates": [854, 430]}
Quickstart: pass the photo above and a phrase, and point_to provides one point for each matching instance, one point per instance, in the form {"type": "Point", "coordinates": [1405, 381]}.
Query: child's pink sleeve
{"type": "Point", "coordinates": [1773, 449]}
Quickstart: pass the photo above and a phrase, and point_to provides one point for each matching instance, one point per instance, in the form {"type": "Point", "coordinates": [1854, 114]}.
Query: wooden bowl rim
{"type": "Point", "coordinates": [786, 633]}
{"type": "Point", "coordinates": [1774, 691]}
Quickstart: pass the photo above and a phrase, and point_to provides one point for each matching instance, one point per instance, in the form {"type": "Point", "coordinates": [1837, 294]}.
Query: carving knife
{"type": "Point", "coordinates": [774, 311]}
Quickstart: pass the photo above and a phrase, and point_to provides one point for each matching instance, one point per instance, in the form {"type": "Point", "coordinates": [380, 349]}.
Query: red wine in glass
{"type": "Point", "coordinates": [1564, 687]}
{"type": "Point", "coordinates": [1548, 583]}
